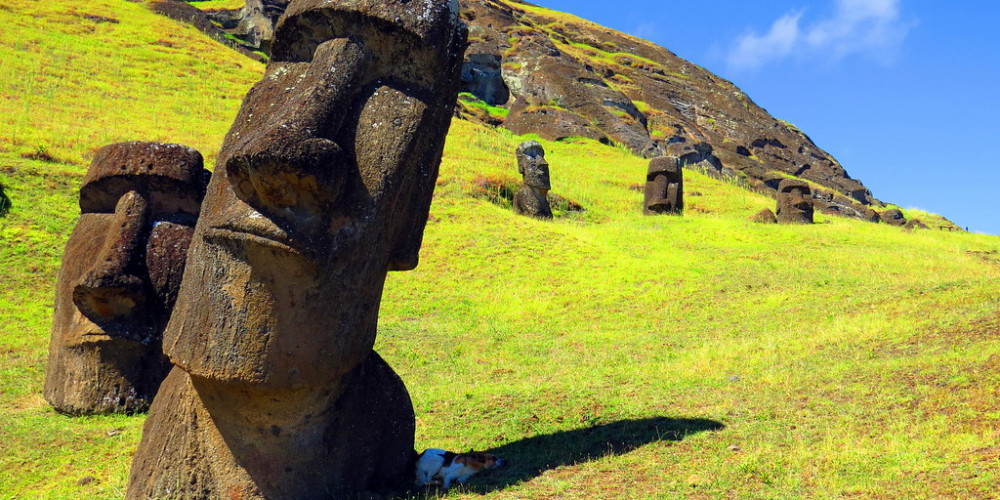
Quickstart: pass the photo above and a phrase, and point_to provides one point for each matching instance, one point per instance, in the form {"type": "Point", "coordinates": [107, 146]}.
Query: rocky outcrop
{"type": "Point", "coordinates": [561, 76]}
{"type": "Point", "coordinates": [253, 24]}
{"type": "Point", "coordinates": [179, 10]}
{"type": "Point", "coordinates": [569, 77]}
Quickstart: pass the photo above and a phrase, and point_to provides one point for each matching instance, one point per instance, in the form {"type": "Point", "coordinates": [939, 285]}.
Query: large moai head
{"type": "Point", "coordinates": [323, 185]}
{"type": "Point", "coordinates": [121, 271]}
{"type": "Point", "coordinates": [664, 191]}
{"type": "Point", "coordinates": [795, 202]}
{"type": "Point", "coordinates": [532, 198]}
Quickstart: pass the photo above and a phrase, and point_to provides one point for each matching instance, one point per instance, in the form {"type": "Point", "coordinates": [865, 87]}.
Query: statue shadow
{"type": "Point", "coordinates": [530, 457]}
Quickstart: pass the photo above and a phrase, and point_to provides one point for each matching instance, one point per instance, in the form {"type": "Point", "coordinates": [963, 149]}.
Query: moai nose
{"type": "Point", "coordinates": [113, 288]}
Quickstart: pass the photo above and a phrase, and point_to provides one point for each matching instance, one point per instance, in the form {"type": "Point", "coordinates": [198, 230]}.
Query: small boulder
{"type": "Point", "coordinates": [765, 216]}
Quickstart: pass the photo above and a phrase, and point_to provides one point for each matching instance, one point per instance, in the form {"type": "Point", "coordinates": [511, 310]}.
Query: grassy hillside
{"type": "Point", "coordinates": [606, 354]}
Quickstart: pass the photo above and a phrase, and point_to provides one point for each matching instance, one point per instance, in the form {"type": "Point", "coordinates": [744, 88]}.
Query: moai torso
{"type": "Point", "coordinates": [664, 193]}
{"type": "Point", "coordinates": [120, 274]}
{"type": "Point", "coordinates": [795, 203]}
{"type": "Point", "coordinates": [532, 198]}
{"type": "Point", "coordinates": [323, 185]}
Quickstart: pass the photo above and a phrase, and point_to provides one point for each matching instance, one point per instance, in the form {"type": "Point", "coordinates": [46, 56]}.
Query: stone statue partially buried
{"type": "Point", "coordinates": [323, 186]}
{"type": "Point", "coordinates": [795, 202]}
{"type": "Point", "coordinates": [532, 199]}
{"type": "Point", "coordinates": [664, 193]}
{"type": "Point", "coordinates": [120, 274]}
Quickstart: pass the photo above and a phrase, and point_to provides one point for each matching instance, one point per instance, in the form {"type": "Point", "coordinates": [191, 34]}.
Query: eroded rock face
{"type": "Point", "coordinates": [795, 203]}
{"type": "Point", "coordinates": [323, 186]}
{"type": "Point", "coordinates": [120, 275]}
{"type": "Point", "coordinates": [532, 198]}
{"type": "Point", "coordinates": [563, 77]}
{"type": "Point", "coordinates": [664, 193]}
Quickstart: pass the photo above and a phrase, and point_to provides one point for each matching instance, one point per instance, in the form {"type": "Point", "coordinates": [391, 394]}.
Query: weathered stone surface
{"type": "Point", "coordinates": [835, 204]}
{"type": "Point", "coordinates": [323, 185]}
{"type": "Point", "coordinates": [664, 193]}
{"type": "Point", "coordinates": [893, 217]}
{"type": "Point", "coordinates": [795, 202]}
{"type": "Point", "coordinates": [765, 216]}
{"type": "Point", "coordinates": [532, 198]}
{"type": "Point", "coordinates": [120, 274]}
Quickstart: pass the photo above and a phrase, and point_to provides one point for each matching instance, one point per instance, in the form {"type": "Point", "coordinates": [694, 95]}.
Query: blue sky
{"type": "Point", "coordinates": [905, 93]}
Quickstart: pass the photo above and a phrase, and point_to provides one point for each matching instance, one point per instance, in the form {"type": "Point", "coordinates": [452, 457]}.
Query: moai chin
{"type": "Point", "coordinates": [664, 187]}
{"type": "Point", "coordinates": [120, 274]}
{"type": "Point", "coordinates": [795, 202]}
{"type": "Point", "coordinates": [532, 198]}
{"type": "Point", "coordinates": [323, 185]}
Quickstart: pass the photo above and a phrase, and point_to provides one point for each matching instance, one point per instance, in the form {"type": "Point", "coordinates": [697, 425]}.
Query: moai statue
{"type": "Point", "coordinates": [893, 217]}
{"type": "Point", "coordinates": [664, 187]}
{"type": "Point", "coordinates": [795, 203]}
{"type": "Point", "coordinates": [323, 185]}
{"type": "Point", "coordinates": [121, 271]}
{"type": "Point", "coordinates": [532, 198]}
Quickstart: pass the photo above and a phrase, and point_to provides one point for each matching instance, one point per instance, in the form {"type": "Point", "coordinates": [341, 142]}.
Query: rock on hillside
{"type": "Point", "coordinates": [560, 76]}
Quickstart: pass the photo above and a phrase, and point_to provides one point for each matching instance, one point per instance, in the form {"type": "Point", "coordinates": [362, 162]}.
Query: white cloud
{"type": "Point", "coordinates": [646, 30]}
{"type": "Point", "coordinates": [871, 28]}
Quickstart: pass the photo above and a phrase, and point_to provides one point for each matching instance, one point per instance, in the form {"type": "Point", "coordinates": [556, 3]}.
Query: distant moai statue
{"type": "Point", "coordinates": [795, 203]}
{"type": "Point", "coordinates": [120, 274]}
{"type": "Point", "coordinates": [532, 198]}
{"type": "Point", "coordinates": [893, 217]}
{"type": "Point", "coordinates": [664, 187]}
{"type": "Point", "coordinates": [323, 185]}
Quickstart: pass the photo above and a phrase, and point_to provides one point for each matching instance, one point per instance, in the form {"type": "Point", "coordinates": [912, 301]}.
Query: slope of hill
{"type": "Point", "coordinates": [607, 354]}
{"type": "Point", "coordinates": [534, 70]}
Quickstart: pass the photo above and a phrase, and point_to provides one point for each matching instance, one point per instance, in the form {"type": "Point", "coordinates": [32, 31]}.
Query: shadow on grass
{"type": "Point", "coordinates": [530, 457]}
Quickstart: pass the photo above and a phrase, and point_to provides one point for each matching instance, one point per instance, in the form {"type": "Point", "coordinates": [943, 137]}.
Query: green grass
{"type": "Point", "coordinates": [219, 4]}
{"type": "Point", "coordinates": [607, 354]}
